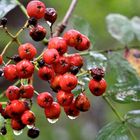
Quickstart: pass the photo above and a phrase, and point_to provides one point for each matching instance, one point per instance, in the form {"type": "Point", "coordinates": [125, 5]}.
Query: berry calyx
{"type": "Point", "coordinates": [46, 73]}
{"type": "Point", "coordinates": [68, 82]}
{"type": "Point", "coordinates": [25, 69]}
{"type": "Point", "coordinates": [32, 21]}
{"type": "Point", "coordinates": [3, 130]}
{"type": "Point", "coordinates": [50, 15]}
{"type": "Point", "coordinates": [27, 51]}
{"type": "Point", "coordinates": [53, 111]}
{"type": "Point", "coordinates": [97, 88]}
{"type": "Point", "coordinates": [36, 9]}
{"type": "Point", "coordinates": [44, 99]}
{"type": "Point", "coordinates": [38, 33]}
{"type": "Point", "coordinates": [3, 22]}
{"type": "Point", "coordinates": [33, 132]}
{"type": "Point", "coordinates": [51, 56]}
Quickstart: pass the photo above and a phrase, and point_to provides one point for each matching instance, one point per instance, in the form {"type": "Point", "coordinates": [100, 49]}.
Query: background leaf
{"type": "Point", "coordinates": [133, 118]}
{"type": "Point", "coordinates": [113, 131]}
{"type": "Point", "coordinates": [6, 6]}
{"type": "Point", "coordinates": [123, 81]}
{"type": "Point", "coordinates": [135, 21]}
{"type": "Point", "coordinates": [120, 28]}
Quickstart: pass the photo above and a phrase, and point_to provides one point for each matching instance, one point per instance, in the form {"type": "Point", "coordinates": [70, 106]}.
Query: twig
{"type": "Point", "coordinates": [61, 27]}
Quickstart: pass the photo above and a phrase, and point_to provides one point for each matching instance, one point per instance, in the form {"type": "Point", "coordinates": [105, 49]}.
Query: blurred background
{"type": "Point", "coordinates": [86, 126]}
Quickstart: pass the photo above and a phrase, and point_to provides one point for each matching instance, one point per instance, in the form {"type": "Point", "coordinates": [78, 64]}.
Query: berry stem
{"type": "Point", "coordinates": [36, 92]}
{"type": "Point", "coordinates": [83, 73]}
{"type": "Point", "coordinates": [113, 108]}
{"type": "Point", "coordinates": [8, 33]}
{"type": "Point", "coordinates": [66, 18]}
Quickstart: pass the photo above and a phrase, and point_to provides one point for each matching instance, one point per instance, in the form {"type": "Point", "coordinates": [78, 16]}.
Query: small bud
{"type": "Point", "coordinates": [32, 21]}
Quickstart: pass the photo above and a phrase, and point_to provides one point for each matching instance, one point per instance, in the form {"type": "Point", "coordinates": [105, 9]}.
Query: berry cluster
{"type": "Point", "coordinates": [55, 66]}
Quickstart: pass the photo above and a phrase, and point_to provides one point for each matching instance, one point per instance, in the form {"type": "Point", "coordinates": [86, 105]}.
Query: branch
{"type": "Point", "coordinates": [66, 18]}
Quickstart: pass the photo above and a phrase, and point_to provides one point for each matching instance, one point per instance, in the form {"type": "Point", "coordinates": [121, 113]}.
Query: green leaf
{"type": "Point", "coordinates": [123, 82]}
{"type": "Point", "coordinates": [113, 131]}
{"type": "Point", "coordinates": [6, 6]}
{"type": "Point", "coordinates": [84, 27]}
{"type": "Point", "coordinates": [133, 118]}
{"type": "Point", "coordinates": [95, 59]}
{"type": "Point", "coordinates": [1, 121]}
{"type": "Point", "coordinates": [120, 28]}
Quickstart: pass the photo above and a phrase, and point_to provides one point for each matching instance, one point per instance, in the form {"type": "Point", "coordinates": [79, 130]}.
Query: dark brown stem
{"type": "Point", "coordinates": [61, 27]}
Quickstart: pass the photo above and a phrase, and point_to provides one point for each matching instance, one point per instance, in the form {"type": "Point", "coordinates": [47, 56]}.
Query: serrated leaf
{"type": "Point", "coordinates": [113, 131]}
{"type": "Point", "coordinates": [120, 28]}
{"type": "Point", "coordinates": [84, 27]}
{"type": "Point", "coordinates": [135, 21]}
{"type": "Point", "coordinates": [6, 6]}
{"type": "Point", "coordinates": [133, 118]}
{"type": "Point", "coordinates": [123, 81]}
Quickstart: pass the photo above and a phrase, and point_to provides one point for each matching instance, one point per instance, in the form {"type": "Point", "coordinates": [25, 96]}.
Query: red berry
{"type": "Point", "coordinates": [55, 82]}
{"type": "Point", "coordinates": [26, 91]}
{"type": "Point", "coordinates": [68, 82]}
{"type": "Point", "coordinates": [97, 88]}
{"type": "Point", "coordinates": [1, 108]}
{"type": "Point", "coordinates": [17, 124]}
{"type": "Point", "coordinates": [73, 37]}
{"type": "Point", "coordinates": [1, 59]}
{"type": "Point", "coordinates": [64, 98]}
{"type": "Point", "coordinates": [10, 72]}
{"type": "Point", "coordinates": [36, 9]}
{"type": "Point", "coordinates": [46, 73]}
{"type": "Point", "coordinates": [71, 110]}
{"type": "Point", "coordinates": [76, 60]}
{"type": "Point", "coordinates": [84, 44]}
{"type": "Point", "coordinates": [28, 117]}
{"type": "Point", "coordinates": [59, 44]}
{"type": "Point", "coordinates": [44, 99]}
{"type": "Point", "coordinates": [12, 93]}
{"type": "Point", "coordinates": [62, 66]}
{"type": "Point", "coordinates": [25, 69]}
{"type": "Point", "coordinates": [50, 15]}
{"type": "Point", "coordinates": [27, 51]}
{"type": "Point", "coordinates": [53, 112]}
{"type": "Point", "coordinates": [82, 103]}
{"type": "Point", "coordinates": [51, 56]}
{"type": "Point", "coordinates": [38, 33]}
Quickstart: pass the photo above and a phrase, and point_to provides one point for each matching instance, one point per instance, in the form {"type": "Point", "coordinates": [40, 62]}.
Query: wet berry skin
{"type": "Point", "coordinates": [68, 82]}
{"type": "Point", "coordinates": [10, 72]}
{"type": "Point", "coordinates": [50, 15]}
{"type": "Point", "coordinates": [12, 93]}
{"type": "Point", "coordinates": [27, 51]}
{"type": "Point", "coordinates": [59, 44]}
{"type": "Point", "coordinates": [25, 69]}
{"type": "Point", "coordinates": [97, 88]}
{"type": "Point", "coordinates": [64, 98]}
{"type": "Point", "coordinates": [28, 118]}
{"type": "Point", "coordinates": [17, 124]}
{"type": "Point", "coordinates": [53, 112]}
{"type": "Point", "coordinates": [82, 103]}
{"type": "Point", "coordinates": [33, 133]}
{"type": "Point", "coordinates": [1, 59]}
{"type": "Point", "coordinates": [36, 9]}
{"type": "Point", "coordinates": [46, 73]}
{"type": "Point", "coordinates": [26, 91]}
{"type": "Point", "coordinates": [44, 99]}
{"type": "Point", "coordinates": [51, 56]}
{"type": "Point", "coordinates": [38, 33]}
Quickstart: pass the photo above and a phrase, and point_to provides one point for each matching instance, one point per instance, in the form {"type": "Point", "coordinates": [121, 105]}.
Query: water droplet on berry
{"type": "Point", "coordinates": [30, 126]}
{"type": "Point", "coordinates": [52, 120]}
{"type": "Point", "coordinates": [49, 23]}
{"type": "Point", "coordinates": [72, 117]}
{"type": "Point", "coordinates": [17, 133]}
